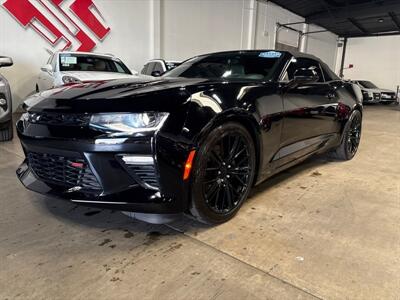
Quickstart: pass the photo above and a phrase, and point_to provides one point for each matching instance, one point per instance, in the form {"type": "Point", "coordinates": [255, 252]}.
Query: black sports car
{"type": "Point", "coordinates": [193, 141]}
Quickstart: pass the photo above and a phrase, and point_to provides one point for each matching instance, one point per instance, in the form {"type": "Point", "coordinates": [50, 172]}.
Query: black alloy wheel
{"type": "Point", "coordinates": [224, 172]}
{"type": "Point", "coordinates": [354, 134]}
{"type": "Point", "coordinates": [351, 137]}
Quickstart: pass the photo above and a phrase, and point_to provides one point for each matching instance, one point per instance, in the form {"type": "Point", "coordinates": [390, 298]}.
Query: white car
{"type": "Point", "coordinates": [157, 67]}
{"type": "Point", "coordinates": [74, 67]}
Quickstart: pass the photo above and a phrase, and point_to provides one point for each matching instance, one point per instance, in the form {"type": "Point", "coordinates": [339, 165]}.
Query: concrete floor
{"type": "Point", "coordinates": [323, 229]}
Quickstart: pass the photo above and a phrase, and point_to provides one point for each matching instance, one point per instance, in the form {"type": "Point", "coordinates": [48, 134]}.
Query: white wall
{"type": "Point", "coordinates": [268, 14]}
{"type": "Point", "coordinates": [170, 29]}
{"type": "Point", "coordinates": [322, 45]}
{"type": "Point", "coordinates": [193, 27]}
{"type": "Point", "coordinates": [374, 58]}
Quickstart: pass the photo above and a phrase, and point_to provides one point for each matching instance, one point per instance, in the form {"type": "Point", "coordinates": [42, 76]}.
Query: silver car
{"type": "Point", "coordinates": [373, 94]}
{"type": "Point", "coordinates": [6, 127]}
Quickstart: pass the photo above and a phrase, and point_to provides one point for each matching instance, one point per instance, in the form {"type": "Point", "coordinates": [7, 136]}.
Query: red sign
{"type": "Point", "coordinates": [56, 23]}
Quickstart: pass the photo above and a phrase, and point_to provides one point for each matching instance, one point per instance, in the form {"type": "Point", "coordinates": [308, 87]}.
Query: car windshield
{"type": "Point", "coordinates": [368, 84]}
{"type": "Point", "coordinates": [259, 65]}
{"type": "Point", "coordinates": [84, 62]}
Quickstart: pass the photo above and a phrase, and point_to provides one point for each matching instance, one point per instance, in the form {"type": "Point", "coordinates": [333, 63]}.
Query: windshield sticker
{"type": "Point", "coordinates": [69, 60]}
{"type": "Point", "coordinates": [270, 54]}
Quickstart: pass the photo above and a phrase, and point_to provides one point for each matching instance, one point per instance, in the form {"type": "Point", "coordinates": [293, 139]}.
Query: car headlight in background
{"type": "Point", "coordinates": [69, 79]}
{"type": "Point", "coordinates": [128, 122]}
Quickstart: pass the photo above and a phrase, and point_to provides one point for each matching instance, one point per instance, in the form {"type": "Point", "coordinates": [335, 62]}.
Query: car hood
{"type": "Point", "coordinates": [133, 95]}
{"type": "Point", "coordinates": [95, 76]}
{"type": "Point", "coordinates": [387, 91]}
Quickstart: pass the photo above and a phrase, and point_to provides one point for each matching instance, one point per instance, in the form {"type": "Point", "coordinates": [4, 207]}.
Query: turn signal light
{"type": "Point", "coordinates": [188, 165]}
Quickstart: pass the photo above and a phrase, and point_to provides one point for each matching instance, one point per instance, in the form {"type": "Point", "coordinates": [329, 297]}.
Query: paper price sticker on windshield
{"type": "Point", "coordinates": [270, 54]}
{"type": "Point", "coordinates": [69, 60]}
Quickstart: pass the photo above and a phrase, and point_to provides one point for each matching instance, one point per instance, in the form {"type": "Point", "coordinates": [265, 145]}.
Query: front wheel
{"type": "Point", "coordinates": [351, 137]}
{"type": "Point", "coordinates": [223, 174]}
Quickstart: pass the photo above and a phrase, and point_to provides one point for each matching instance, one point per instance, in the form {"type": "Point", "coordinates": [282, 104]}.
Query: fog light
{"type": "Point", "coordinates": [138, 159]}
{"type": "Point", "coordinates": [3, 101]}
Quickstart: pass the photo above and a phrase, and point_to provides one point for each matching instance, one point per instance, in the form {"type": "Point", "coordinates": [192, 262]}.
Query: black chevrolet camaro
{"type": "Point", "coordinates": [193, 141]}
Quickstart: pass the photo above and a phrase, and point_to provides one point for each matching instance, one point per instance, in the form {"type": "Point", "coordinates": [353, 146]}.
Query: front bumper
{"type": "Point", "coordinates": [116, 188]}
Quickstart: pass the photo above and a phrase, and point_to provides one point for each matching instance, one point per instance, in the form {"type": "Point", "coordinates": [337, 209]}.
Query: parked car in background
{"type": "Point", "coordinates": [373, 94]}
{"type": "Point", "coordinates": [6, 125]}
{"type": "Point", "coordinates": [157, 67]}
{"type": "Point", "coordinates": [192, 141]}
{"type": "Point", "coordinates": [73, 67]}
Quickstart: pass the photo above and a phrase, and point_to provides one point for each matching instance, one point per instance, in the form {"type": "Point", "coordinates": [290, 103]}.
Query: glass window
{"type": "Point", "coordinates": [368, 84]}
{"type": "Point", "coordinates": [158, 68]}
{"type": "Point", "coordinates": [302, 63]}
{"type": "Point", "coordinates": [255, 65]}
{"type": "Point", "coordinates": [150, 68]}
{"type": "Point", "coordinates": [144, 70]}
{"type": "Point", "coordinates": [84, 62]}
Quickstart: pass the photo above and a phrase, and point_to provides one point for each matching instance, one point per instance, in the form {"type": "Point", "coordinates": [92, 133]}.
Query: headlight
{"type": "Point", "coordinates": [370, 94]}
{"type": "Point", "coordinates": [69, 79]}
{"type": "Point", "coordinates": [128, 122]}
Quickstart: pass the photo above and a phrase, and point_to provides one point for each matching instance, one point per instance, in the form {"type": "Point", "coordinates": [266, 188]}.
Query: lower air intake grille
{"type": "Point", "coordinates": [69, 172]}
{"type": "Point", "coordinates": [146, 173]}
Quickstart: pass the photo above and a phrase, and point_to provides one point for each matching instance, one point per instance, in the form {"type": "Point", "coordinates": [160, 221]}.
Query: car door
{"type": "Point", "coordinates": [310, 111]}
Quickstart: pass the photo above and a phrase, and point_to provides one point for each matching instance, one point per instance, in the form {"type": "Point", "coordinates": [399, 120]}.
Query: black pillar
{"type": "Point", "coordinates": [343, 57]}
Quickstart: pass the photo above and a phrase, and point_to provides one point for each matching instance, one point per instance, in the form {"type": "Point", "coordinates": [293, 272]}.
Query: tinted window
{"type": "Point", "coordinates": [303, 63]}
{"type": "Point", "coordinates": [368, 84]}
{"type": "Point", "coordinates": [77, 62]}
{"type": "Point", "coordinates": [171, 65]}
{"type": "Point", "coordinates": [255, 65]}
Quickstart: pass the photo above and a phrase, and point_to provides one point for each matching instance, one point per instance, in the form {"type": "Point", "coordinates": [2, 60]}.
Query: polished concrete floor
{"type": "Point", "coordinates": [324, 229]}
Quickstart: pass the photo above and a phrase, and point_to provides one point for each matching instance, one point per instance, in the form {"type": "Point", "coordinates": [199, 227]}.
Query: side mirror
{"type": "Point", "coordinates": [156, 73]}
{"type": "Point", "coordinates": [5, 61]}
{"type": "Point", "coordinates": [303, 75]}
{"type": "Point", "coordinates": [47, 68]}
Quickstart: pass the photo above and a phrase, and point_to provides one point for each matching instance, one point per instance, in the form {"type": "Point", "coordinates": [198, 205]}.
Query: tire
{"type": "Point", "coordinates": [223, 174]}
{"type": "Point", "coordinates": [6, 133]}
{"type": "Point", "coordinates": [351, 138]}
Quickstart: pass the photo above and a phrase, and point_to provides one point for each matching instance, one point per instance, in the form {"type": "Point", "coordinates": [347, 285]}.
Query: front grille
{"type": "Point", "coordinates": [146, 173]}
{"type": "Point", "coordinates": [68, 172]}
{"type": "Point", "coordinates": [377, 96]}
{"type": "Point", "coordinates": [60, 119]}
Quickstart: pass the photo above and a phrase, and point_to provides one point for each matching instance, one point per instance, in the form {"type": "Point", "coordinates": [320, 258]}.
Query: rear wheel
{"type": "Point", "coordinates": [351, 137]}
{"type": "Point", "coordinates": [6, 132]}
{"type": "Point", "coordinates": [223, 174]}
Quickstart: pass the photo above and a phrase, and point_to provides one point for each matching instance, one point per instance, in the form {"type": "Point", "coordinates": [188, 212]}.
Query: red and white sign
{"type": "Point", "coordinates": [75, 25]}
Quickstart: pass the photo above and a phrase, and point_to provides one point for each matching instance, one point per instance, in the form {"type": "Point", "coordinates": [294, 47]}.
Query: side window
{"type": "Point", "coordinates": [302, 63]}
{"type": "Point", "coordinates": [327, 75]}
{"type": "Point", "coordinates": [150, 68]}
{"type": "Point", "coordinates": [144, 70]}
{"type": "Point", "coordinates": [158, 67]}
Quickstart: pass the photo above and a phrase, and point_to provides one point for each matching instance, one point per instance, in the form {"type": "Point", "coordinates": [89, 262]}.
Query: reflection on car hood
{"type": "Point", "coordinates": [134, 94]}
{"type": "Point", "coordinates": [93, 75]}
